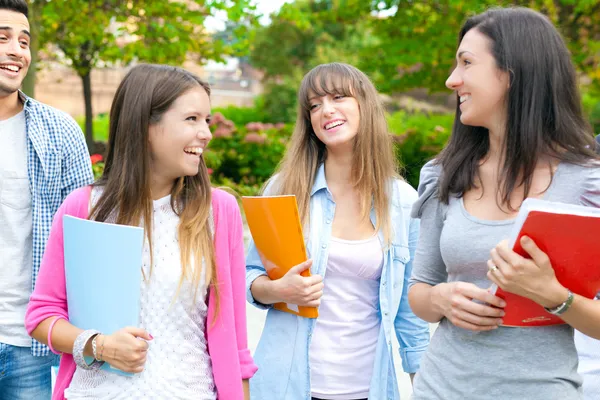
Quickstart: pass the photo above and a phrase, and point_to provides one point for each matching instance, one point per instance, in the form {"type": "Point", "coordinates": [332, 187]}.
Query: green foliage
{"type": "Point", "coordinates": [247, 157]}
{"type": "Point", "coordinates": [96, 32]}
{"type": "Point", "coordinates": [101, 125]}
{"type": "Point", "coordinates": [401, 44]}
{"type": "Point", "coordinates": [591, 105]}
{"type": "Point", "coordinates": [418, 139]}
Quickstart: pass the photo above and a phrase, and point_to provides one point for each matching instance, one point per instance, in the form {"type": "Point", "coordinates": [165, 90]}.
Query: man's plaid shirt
{"type": "Point", "coordinates": [57, 163]}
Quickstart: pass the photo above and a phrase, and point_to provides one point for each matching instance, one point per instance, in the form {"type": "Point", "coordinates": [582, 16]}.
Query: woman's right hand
{"type": "Point", "coordinates": [301, 290]}
{"type": "Point", "coordinates": [455, 300]}
{"type": "Point", "coordinates": [125, 349]}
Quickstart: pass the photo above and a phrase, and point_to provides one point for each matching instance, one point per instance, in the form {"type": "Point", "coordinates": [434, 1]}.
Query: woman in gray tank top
{"type": "Point", "coordinates": [519, 132]}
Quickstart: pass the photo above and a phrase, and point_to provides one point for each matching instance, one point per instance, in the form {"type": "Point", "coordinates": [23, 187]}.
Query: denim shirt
{"type": "Point", "coordinates": [282, 352]}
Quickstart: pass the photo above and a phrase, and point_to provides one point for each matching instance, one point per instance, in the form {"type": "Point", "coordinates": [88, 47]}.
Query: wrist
{"type": "Point", "coordinates": [434, 298]}
{"type": "Point", "coordinates": [555, 296]}
{"type": "Point", "coordinates": [273, 289]}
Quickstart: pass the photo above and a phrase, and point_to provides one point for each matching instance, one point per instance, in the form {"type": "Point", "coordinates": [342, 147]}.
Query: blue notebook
{"type": "Point", "coordinates": [103, 272]}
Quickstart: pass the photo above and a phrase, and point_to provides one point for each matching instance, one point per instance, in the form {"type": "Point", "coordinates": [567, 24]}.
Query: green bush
{"type": "Point", "coordinates": [100, 126]}
{"type": "Point", "coordinates": [247, 156]}
{"type": "Point", "coordinates": [418, 138]}
{"type": "Point", "coordinates": [591, 106]}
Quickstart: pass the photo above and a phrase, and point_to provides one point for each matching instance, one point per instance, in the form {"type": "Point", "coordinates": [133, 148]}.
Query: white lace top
{"type": "Point", "coordinates": [178, 365]}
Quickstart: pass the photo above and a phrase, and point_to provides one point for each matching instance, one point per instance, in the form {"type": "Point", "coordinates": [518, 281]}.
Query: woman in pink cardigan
{"type": "Point", "coordinates": [191, 342]}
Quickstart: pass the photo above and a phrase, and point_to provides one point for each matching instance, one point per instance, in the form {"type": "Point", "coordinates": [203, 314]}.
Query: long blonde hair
{"type": "Point", "coordinates": [144, 95]}
{"type": "Point", "coordinates": [374, 165]}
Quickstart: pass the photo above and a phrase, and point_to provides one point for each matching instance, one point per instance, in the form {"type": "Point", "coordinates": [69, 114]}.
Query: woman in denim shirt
{"type": "Point", "coordinates": [355, 210]}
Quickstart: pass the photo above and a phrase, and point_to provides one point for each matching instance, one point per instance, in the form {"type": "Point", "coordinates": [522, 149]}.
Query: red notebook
{"type": "Point", "coordinates": [569, 235]}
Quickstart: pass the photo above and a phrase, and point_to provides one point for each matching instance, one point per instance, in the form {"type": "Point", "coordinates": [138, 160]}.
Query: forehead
{"type": "Point", "coordinates": [194, 99]}
{"type": "Point", "coordinates": [328, 84]}
{"type": "Point", "coordinates": [475, 42]}
{"type": "Point", "coordinates": [17, 21]}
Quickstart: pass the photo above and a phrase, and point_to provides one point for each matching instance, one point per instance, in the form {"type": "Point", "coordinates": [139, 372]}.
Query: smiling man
{"type": "Point", "coordinates": [43, 157]}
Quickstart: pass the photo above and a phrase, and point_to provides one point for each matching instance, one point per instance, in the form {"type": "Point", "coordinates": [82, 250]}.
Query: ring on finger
{"type": "Point", "coordinates": [493, 268]}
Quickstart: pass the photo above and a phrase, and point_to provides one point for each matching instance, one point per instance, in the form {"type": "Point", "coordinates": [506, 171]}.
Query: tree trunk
{"type": "Point", "coordinates": [35, 19]}
{"type": "Point", "coordinates": [89, 115]}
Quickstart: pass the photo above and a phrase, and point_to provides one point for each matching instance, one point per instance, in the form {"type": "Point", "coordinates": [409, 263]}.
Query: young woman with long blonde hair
{"type": "Point", "coordinates": [360, 238]}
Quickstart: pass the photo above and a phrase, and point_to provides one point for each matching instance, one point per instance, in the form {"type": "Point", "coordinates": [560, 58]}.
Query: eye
{"type": "Point", "coordinates": [24, 43]}
{"type": "Point", "coordinates": [208, 120]}
{"type": "Point", "coordinates": [313, 106]}
{"type": "Point", "coordinates": [466, 62]}
{"type": "Point", "coordinates": [191, 118]}
{"type": "Point", "coordinates": [339, 96]}
{"type": "Point", "coordinates": [2, 37]}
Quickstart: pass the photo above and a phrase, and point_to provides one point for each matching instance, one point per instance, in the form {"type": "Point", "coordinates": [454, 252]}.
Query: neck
{"type": "Point", "coordinates": [338, 167]}
{"type": "Point", "coordinates": [10, 105]}
{"type": "Point", "coordinates": [497, 135]}
{"type": "Point", "coordinates": [160, 187]}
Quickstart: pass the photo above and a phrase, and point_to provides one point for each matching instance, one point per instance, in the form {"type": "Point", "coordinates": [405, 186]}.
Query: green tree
{"type": "Point", "coordinates": [416, 44]}
{"type": "Point", "coordinates": [94, 32]}
{"type": "Point", "coordinates": [301, 35]}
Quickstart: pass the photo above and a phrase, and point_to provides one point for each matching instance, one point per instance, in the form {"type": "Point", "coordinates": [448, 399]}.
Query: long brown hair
{"type": "Point", "coordinates": [144, 95]}
{"type": "Point", "coordinates": [544, 114]}
{"type": "Point", "coordinates": [374, 164]}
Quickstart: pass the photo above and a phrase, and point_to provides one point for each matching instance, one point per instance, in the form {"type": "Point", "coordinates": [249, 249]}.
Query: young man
{"type": "Point", "coordinates": [43, 157]}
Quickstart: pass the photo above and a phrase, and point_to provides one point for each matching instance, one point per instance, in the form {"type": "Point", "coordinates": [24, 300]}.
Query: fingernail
{"type": "Point", "coordinates": [503, 314]}
{"type": "Point", "coordinates": [151, 337]}
{"type": "Point", "coordinates": [525, 240]}
{"type": "Point", "coordinates": [500, 322]}
{"type": "Point", "coordinates": [502, 304]}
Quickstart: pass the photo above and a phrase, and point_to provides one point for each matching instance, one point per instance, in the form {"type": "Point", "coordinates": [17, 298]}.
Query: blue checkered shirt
{"type": "Point", "coordinates": [58, 162]}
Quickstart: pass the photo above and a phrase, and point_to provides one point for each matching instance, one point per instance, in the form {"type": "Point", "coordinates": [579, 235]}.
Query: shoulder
{"type": "Point", "coordinates": [57, 125]}
{"type": "Point", "coordinates": [51, 115]}
{"type": "Point", "coordinates": [224, 201]}
{"type": "Point", "coordinates": [76, 201]}
{"type": "Point", "coordinates": [404, 195]}
{"type": "Point", "coordinates": [428, 186]}
{"type": "Point", "coordinates": [590, 174]}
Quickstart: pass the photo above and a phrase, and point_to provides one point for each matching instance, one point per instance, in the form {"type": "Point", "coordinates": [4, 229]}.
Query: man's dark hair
{"type": "Point", "coordinates": [19, 6]}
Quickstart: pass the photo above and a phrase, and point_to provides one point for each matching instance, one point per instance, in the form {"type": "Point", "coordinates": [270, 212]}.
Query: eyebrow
{"type": "Point", "coordinates": [461, 53]}
{"type": "Point", "coordinates": [8, 28]}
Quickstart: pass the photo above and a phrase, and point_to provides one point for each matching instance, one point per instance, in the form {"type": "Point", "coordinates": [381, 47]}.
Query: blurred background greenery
{"type": "Point", "coordinates": [406, 47]}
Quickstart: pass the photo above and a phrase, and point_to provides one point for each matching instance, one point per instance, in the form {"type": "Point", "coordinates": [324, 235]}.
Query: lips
{"type": "Point", "coordinates": [196, 151]}
{"type": "Point", "coordinates": [334, 124]}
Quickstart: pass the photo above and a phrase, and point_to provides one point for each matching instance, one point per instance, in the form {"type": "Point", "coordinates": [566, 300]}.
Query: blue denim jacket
{"type": "Point", "coordinates": [282, 352]}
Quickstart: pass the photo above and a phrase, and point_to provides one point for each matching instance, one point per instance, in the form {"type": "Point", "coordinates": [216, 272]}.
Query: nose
{"type": "Point", "coordinates": [15, 50]}
{"type": "Point", "coordinates": [328, 107]}
{"type": "Point", "coordinates": [454, 80]}
{"type": "Point", "coordinates": [204, 133]}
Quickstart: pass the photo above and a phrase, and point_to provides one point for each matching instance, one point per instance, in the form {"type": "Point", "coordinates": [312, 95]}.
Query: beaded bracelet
{"type": "Point", "coordinates": [78, 348]}
{"type": "Point", "coordinates": [50, 334]}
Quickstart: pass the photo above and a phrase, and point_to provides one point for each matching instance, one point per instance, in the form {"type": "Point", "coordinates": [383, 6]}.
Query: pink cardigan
{"type": "Point", "coordinates": [227, 337]}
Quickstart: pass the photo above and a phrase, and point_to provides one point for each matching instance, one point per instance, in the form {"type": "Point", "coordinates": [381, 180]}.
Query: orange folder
{"type": "Point", "coordinates": [275, 226]}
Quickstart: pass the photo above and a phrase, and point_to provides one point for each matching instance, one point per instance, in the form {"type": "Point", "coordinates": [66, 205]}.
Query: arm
{"type": "Point", "coordinates": [411, 331]}
{"type": "Point", "coordinates": [76, 165]}
{"type": "Point", "coordinates": [431, 296]}
{"type": "Point", "coordinates": [49, 301]}
{"type": "Point", "coordinates": [236, 243]}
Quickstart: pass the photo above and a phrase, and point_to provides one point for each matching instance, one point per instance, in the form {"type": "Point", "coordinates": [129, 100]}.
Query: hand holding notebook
{"type": "Point", "coordinates": [277, 234]}
{"type": "Point", "coordinates": [567, 234]}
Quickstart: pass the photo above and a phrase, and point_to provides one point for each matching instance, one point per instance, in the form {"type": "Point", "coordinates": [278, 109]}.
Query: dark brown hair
{"type": "Point", "coordinates": [544, 114]}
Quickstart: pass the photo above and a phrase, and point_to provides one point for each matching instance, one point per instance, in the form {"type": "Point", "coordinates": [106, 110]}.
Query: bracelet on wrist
{"type": "Point", "coordinates": [561, 308]}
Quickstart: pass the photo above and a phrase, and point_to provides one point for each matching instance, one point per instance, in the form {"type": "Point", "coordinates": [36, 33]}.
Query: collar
{"type": "Point", "coordinates": [320, 182]}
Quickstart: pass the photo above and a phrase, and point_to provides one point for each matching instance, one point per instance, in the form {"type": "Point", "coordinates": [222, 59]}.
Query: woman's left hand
{"type": "Point", "coordinates": [532, 278]}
